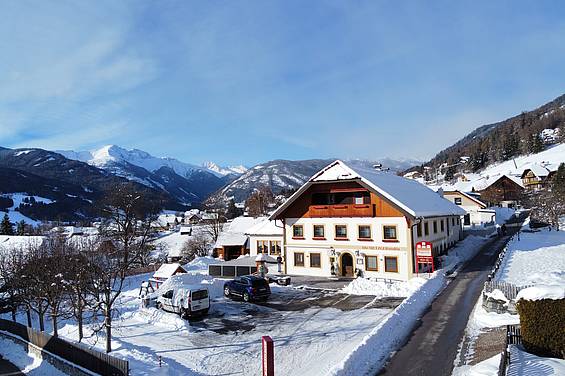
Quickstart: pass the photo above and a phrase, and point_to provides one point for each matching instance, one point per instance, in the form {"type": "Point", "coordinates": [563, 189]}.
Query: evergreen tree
{"type": "Point", "coordinates": [510, 146]}
{"type": "Point", "coordinates": [232, 211]}
{"type": "Point", "coordinates": [21, 227]}
{"type": "Point", "coordinates": [6, 226]}
{"type": "Point", "coordinates": [535, 143]}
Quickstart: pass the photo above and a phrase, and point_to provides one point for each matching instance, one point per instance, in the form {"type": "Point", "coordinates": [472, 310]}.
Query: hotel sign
{"type": "Point", "coordinates": [424, 256]}
{"type": "Point", "coordinates": [424, 249]}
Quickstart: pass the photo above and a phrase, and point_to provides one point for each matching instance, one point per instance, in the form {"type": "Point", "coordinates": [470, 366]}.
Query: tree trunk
{"type": "Point", "coordinates": [54, 320]}
{"type": "Point", "coordinates": [14, 314]}
{"type": "Point", "coordinates": [79, 319]}
{"type": "Point", "coordinates": [28, 315]}
{"type": "Point", "coordinates": [108, 324]}
{"type": "Point", "coordinates": [41, 323]}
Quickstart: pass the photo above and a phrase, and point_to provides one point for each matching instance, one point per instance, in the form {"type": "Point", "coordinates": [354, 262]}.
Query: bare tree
{"type": "Point", "coordinates": [10, 265]}
{"type": "Point", "coordinates": [258, 203]}
{"type": "Point", "coordinates": [32, 281]}
{"type": "Point", "coordinates": [213, 227]}
{"type": "Point", "coordinates": [127, 232]}
{"type": "Point", "coordinates": [196, 246]}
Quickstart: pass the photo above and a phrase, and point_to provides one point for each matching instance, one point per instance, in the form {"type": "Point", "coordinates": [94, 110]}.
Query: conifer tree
{"type": "Point", "coordinates": [6, 227]}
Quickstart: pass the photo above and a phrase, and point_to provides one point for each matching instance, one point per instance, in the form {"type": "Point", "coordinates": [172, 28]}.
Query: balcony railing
{"type": "Point", "coordinates": [349, 210]}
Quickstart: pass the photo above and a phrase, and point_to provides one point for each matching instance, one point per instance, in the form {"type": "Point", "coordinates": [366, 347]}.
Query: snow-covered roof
{"type": "Point", "coordinates": [168, 270]}
{"type": "Point", "coordinates": [469, 196]}
{"type": "Point", "coordinates": [540, 170]}
{"type": "Point", "coordinates": [409, 195]}
{"type": "Point", "coordinates": [235, 231]}
{"type": "Point", "coordinates": [8, 242]}
{"type": "Point", "coordinates": [265, 227]}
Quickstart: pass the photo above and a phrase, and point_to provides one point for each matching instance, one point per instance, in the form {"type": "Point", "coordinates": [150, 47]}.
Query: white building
{"type": "Point", "coordinates": [477, 213]}
{"type": "Point", "coordinates": [348, 219]}
{"type": "Point", "coordinates": [266, 237]}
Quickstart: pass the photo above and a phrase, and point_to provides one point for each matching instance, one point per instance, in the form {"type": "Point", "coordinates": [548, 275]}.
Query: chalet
{"type": "Point", "coordinates": [414, 175]}
{"type": "Point", "coordinates": [266, 237]}
{"type": "Point", "coordinates": [346, 221]}
{"type": "Point", "coordinates": [537, 176]}
{"type": "Point", "coordinates": [185, 230]}
{"type": "Point", "coordinates": [233, 242]}
{"type": "Point", "coordinates": [500, 190]}
{"type": "Point", "coordinates": [165, 272]}
{"type": "Point", "coordinates": [477, 212]}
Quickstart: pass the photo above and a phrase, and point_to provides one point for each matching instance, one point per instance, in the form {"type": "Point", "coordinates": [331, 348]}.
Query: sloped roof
{"type": "Point", "coordinates": [265, 227]}
{"type": "Point", "coordinates": [234, 232]}
{"type": "Point", "coordinates": [409, 195]}
{"type": "Point", "coordinates": [539, 170]}
{"type": "Point", "coordinates": [168, 270]}
{"type": "Point", "coordinates": [469, 196]}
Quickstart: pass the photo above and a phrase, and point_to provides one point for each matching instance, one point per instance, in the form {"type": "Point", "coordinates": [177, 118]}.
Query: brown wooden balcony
{"type": "Point", "coordinates": [349, 210]}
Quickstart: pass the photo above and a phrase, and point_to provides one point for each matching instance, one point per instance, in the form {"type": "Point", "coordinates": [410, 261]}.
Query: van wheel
{"type": "Point", "coordinates": [226, 291]}
{"type": "Point", "coordinates": [246, 297]}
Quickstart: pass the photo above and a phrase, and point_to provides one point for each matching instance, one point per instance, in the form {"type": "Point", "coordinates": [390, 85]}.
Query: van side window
{"type": "Point", "coordinates": [168, 294]}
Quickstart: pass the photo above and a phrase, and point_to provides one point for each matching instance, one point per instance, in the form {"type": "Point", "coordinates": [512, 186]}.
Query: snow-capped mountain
{"type": "Point", "coordinates": [223, 171]}
{"type": "Point", "coordinates": [283, 175]}
{"type": "Point", "coordinates": [186, 182]}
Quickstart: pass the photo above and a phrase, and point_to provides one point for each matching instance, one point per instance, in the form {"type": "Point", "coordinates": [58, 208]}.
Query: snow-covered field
{"type": "Point", "coordinates": [18, 198]}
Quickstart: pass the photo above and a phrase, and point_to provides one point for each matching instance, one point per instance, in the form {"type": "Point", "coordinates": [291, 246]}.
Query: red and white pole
{"type": "Point", "coordinates": [268, 351]}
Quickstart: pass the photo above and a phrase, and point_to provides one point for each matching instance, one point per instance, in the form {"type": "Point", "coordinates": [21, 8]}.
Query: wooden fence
{"type": "Point", "coordinates": [92, 360]}
{"type": "Point", "coordinates": [509, 290]}
{"type": "Point", "coordinates": [513, 337]}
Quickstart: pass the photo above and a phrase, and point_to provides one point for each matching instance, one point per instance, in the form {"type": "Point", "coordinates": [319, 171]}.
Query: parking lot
{"type": "Point", "coordinates": [313, 330]}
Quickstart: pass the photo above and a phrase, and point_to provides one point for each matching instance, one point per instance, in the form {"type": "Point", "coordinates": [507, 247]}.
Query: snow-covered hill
{"type": "Point", "coordinates": [223, 171]}
{"type": "Point", "coordinates": [550, 158]}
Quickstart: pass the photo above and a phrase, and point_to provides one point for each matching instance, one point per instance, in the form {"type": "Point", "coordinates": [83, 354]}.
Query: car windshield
{"type": "Point", "coordinates": [199, 294]}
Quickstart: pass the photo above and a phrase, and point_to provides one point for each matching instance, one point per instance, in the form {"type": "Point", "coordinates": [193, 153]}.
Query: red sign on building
{"type": "Point", "coordinates": [424, 255]}
{"type": "Point", "coordinates": [268, 351]}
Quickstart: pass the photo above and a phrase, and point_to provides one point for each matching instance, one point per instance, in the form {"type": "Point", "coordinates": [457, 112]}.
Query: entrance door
{"type": "Point", "coordinates": [347, 265]}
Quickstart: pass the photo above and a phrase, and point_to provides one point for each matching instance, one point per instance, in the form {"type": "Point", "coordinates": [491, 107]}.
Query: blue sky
{"type": "Point", "coordinates": [248, 81]}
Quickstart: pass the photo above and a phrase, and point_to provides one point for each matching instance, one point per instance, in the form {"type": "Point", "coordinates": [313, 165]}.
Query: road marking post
{"type": "Point", "coordinates": [268, 352]}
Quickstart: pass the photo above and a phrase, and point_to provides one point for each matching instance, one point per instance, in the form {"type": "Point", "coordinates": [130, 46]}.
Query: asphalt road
{"type": "Point", "coordinates": [432, 348]}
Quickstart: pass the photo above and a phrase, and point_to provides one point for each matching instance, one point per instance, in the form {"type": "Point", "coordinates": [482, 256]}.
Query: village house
{"type": "Point", "coordinates": [500, 190]}
{"type": "Point", "coordinates": [348, 220]}
{"type": "Point", "coordinates": [265, 237]}
{"type": "Point", "coordinates": [477, 212]}
{"type": "Point", "coordinates": [414, 175]}
{"type": "Point", "coordinates": [233, 240]}
{"type": "Point", "coordinates": [537, 176]}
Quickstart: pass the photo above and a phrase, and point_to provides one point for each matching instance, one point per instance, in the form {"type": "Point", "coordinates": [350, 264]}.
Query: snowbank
{"type": "Point", "coordinates": [540, 292]}
{"type": "Point", "coordinates": [487, 367]}
{"type": "Point", "coordinates": [29, 364]}
{"type": "Point", "coordinates": [200, 264]}
{"type": "Point", "coordinates": [497, 295]}
{"type": "Point", "coordinates": [524, 363]}
{"type": "Point", "coordinates": [364, 286]}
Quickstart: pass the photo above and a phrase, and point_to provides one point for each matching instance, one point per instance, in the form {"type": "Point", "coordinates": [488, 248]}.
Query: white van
{"type": "Point", "coordinates": [187, 301]}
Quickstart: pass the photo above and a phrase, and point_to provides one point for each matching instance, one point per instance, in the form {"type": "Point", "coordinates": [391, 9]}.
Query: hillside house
{"type": "Point", "coordinates": [501, 190]}
{"type": "Point", "coordinates": [477, 212]}
{"type": "Point", "coordinates": [414, 175]}
{"type": "Point", "coordinates": [537, 176]}
{"type": "Point", "coordinates": [347, 219]}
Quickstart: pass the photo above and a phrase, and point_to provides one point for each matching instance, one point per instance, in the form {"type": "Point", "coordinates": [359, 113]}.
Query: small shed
{"type": "Point", "coordinates": [165, 272]}
{"type": "Point", "coordinates": [185, 230]}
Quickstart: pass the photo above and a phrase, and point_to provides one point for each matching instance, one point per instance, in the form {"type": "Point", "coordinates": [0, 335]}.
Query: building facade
{"type": "Point", "coordinates": [347, 222]}
{"type": "Point", "coordinates": [477, 212]}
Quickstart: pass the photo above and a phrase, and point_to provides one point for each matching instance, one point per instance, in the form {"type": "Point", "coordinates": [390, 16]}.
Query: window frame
{"type": "Point", "coordinates": [294, 234]}
{"type": "Point", "coordinates": [395, 239]}
{"type": "Point", "coordinates": [426, 228]}
{"type": "Point", "coordinates": [294, 259]}
{"type": "Point", "coordinates": [419, 229]}
{"type": "Point", "coordinates": [264, 246]}
{"type": "Point", "coordinates": [273, 246]}
{"type": "Point", "coordinates": [315, 237]}
{"type": "Point", "coordinates": [340, 237]}
{"type": "Point", "coordinates": [458, 201]}
{"type": "Point", "coordinates": [385, 266]}
{"type": "Point", "coordinates": [359, 237]}
{"type": "Point", "coordinates": [435, 226]}
{"type": "Point", "coordinates": [367, 263]}
{"type": "Point", "coordinates": [441, 226]}
{"type": "Point", "coordinates": [319, 266]}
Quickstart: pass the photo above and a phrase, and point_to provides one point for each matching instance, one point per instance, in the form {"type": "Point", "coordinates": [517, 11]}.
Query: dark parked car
{"type": "Point", "coordinates": [248, 287]}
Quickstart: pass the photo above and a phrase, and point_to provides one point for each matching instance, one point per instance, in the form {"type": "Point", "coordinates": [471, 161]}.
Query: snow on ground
{"type": "Point", "coordinates": [524, 363]}
{"type": "Point", "coordinates": [200, 264]}
{"type": "Point", "coordinates": [487, 367]}
{"type": "Point", "coordinates": [390, 334]}
{"type": "Point", "coordinates": [18, 198]}
{"type": "Point", "coordinates": [29, 364]}
{"type": "Point", "coordinates": [379, 288]}
{"type": "Point", "coordinates": [537, 258]}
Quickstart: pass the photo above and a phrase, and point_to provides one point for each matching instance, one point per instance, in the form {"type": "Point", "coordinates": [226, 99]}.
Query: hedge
{"type": "Point", "coordinates": [542, 323]}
